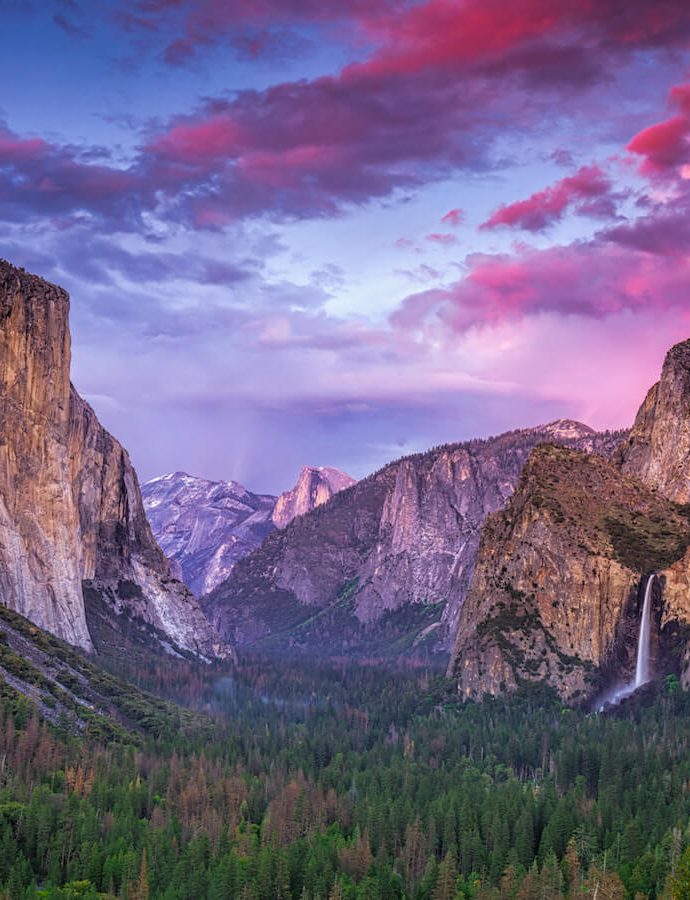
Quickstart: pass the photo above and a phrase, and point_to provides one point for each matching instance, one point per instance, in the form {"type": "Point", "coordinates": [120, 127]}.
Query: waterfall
{"type": "Point", "coordinates": [642, 665]}
{"type": "Point", "coordinates": [642, 676]}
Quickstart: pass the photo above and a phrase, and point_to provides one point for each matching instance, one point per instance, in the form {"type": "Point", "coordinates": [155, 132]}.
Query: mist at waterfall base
{"type": "Point", "coordinates": [642, 676]}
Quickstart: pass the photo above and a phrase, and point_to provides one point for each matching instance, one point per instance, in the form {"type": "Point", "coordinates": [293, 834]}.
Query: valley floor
{"type": "Point", "coordinates": [336, 781]}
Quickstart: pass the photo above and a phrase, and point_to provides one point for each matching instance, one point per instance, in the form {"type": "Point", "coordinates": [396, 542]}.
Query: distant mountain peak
{"type": "Point", "coordinates": [205, 526]}
{"type": "Point", "coordinates": [315, 486]}
{"type": "Point", "coordinates": [567, 429]}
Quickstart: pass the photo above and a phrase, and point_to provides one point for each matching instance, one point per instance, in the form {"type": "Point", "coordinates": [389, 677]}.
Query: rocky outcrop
{"type": "Point", "coordinates": [315, 486]}
{"type": "Point", "coordinates": [384, 566]}
{"type": "Point", "coordinates": [556, 592]}
{"type": "Point", "coordinates": [70, 508]}
{"type": "Point", "coordinates": [658, 448]}
{"type": "Point", "coordinates": [205, 527]}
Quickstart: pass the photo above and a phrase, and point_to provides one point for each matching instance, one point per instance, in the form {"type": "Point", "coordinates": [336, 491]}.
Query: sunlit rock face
{"type": "Point", "coordinates": [557, 592]}
{"type": "Point", "coordinates": [204, 526]}
{"type": "Point", "coordinates": [383, 567]}
{"type": "Point", "coordinates": [558, 578]}
{"type": "Point", "coordinates": [658, 449]}
{"type": "Point", "coordinates": [70, 507]}
{"type": "Point", "coordinates": [315, 486]}
{"type": "Point", "coordinates": [40, 547]}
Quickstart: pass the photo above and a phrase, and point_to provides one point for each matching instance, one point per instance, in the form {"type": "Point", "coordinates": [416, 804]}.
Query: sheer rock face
{"type": "Point", "coordinates": [70, 506]}
{"type": "Point", "coordinates": [658, 449]}
{"type": "Point", "coordinates": [205, 527]}
{"type": "Point", "coordinates": [315, 486]}
{"type": "Point", "coordinates": [394, 553]}
{"type": "Point", "coordinates": [40, 570]}
{"type": "Point", "coordinates": [557, 588]}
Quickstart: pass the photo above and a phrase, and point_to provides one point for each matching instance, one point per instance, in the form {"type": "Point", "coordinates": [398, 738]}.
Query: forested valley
{"type": "Point", "coordinates": [336, 781]}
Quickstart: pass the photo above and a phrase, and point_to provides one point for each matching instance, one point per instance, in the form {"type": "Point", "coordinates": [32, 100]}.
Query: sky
{"type": "Point", "coordinates": [333, 232]}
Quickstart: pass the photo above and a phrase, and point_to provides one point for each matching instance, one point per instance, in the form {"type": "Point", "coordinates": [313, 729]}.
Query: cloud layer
{"type": "Point", "coordinates": [242, 266]}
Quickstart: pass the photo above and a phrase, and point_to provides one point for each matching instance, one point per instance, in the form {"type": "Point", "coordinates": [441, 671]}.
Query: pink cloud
{"type": "Point", "coordinates": [581, 190]}
{"type": "Point", "coordinates": [453, 217]}
{"type": "Point", "coordinates": [39, 179]}
{"type": "Point", "coordinates": [680, 96]}
{"type": "Point", "coordinates": [443, 240]}
{"type": "Point", "coordinates": [199, 142]}
{"type": "Point", "coordinates": [515, 33]}
{"type": "Point", "coordinates": [286, 168]}
{"type": "Point", "coordinates": [665, 145]}
{"type": "Point", "coordinates": [665, 231]}
{"type": "Point", "coordinates": [394, 120]}
{"type": "Point", "coordinates": [13, 148]}
{"type": "Point", "coordinates": [591, 280]}
{"type": "Point", "coordinates": [414, 36]}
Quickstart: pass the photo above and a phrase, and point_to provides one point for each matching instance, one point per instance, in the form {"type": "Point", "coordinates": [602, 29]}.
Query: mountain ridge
{"type": "Point", "coordinates": [401, 539]}
{"type": "Point", "coordinates": [205, 527]}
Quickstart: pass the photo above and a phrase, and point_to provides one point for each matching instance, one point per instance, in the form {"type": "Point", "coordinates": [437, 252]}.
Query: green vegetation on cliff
{"type": "Point", "coordinates": [554, 594]}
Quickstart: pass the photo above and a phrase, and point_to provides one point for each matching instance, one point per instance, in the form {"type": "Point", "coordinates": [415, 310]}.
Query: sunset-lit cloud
{"type": "Point", "coordinates": [588, 191]}
{"type": "Point", "coordinates": [337, 227]}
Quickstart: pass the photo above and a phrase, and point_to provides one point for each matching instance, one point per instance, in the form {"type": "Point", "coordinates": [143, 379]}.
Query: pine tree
{"type": "Point", "coordinates": [446, 878]}
{"type": "Point", "coordinates": [572, 869]}
{"type": "Point", "coordinates": [680, 882]}
{"type": "Point", "coordinates": [141, 890]}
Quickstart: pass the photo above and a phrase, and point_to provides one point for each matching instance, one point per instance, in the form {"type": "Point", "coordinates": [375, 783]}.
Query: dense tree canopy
{"type": "Point", "coordinates": [344, 782]}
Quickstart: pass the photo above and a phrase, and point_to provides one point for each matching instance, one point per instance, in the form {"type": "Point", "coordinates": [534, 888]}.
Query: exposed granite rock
{"type": "Point", "coordinates": [557, 587]}
{"type": "Point", "coordinates": [382, 567]}
{"type": "Point", "coordinates": [315, 486]}
{"type": "Point", "coordinates": [658, 448]}
{"type": "Point", "coordinates": [40, 552]}
{"type": "Point", "coordinates": [205, 527]}
{"type": "Point", "coordinates": [70, 506]}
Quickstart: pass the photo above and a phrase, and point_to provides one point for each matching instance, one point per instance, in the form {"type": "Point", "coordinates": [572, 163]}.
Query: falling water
{"type": "Point", "coordinates": [642, 662]}
{"type": "Point", "coordinates": [642, 665]}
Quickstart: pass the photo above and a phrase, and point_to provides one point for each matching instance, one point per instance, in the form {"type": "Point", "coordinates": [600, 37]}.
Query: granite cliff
{"type": "Point", "coordinates": [557, 587]}
{"type": "Point", "coordinates": [315, 486]}
{"type": "Point", "coordinates": [383, 567]}
{"type": "Point", "coordinates": [658, 448]}
{"type": "Point", "coordinates": [556, 594]}
{"type": "Point", "coordinates": [72, 522]}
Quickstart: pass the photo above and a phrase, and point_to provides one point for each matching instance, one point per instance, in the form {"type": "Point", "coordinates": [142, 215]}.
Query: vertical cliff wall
{"type": "Point", "coordinates": [658, 448]}
{"type": "Point", "coordinates": [40, 552]}
{"type": "Point", "coordinates": [556, 593]}
{"type": "Point", "coordinates": [70, 505]}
